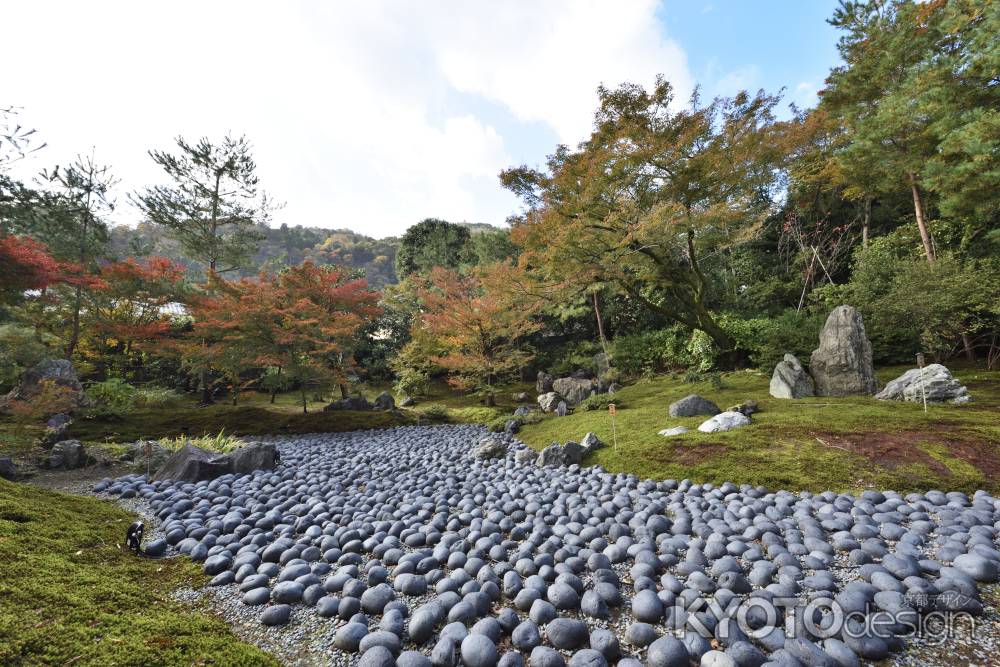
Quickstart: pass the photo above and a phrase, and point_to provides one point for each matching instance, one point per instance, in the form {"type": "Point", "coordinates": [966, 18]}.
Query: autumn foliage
{"type": "Point", "coordinates": [480, 319]}
{"type": "Point", "coordinates": [27, 265]}
{"type": "Point", "coordinates": [300, 322]}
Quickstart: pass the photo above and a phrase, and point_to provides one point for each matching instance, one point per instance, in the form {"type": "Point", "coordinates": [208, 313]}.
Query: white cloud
{"type": "Point", "coordinates": [360, 113]}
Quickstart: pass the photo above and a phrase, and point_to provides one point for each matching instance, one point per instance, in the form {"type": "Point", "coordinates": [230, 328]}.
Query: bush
{"type": "Point", "coordinates": [157, 398]}
{"type": "Point", "coordinates": [435, 411]}
{"type": "Point", "coordinates": [652, 351]}
{"type": "Point", "coordinates": [112, 398]}
{"type": "Point", "coordinates": [575, 355]}
{"type": "Point", "coordinates": [499, 424]}
{"type": "Point", "coordinates": [220, 443]}
{"type": "Point", "coordinates": [599, 402]}
{"type": "Point", "coordinates": [20, 349]}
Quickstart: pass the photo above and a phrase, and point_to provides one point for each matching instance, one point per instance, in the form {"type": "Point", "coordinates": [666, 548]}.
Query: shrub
{"type": "Point", "coordinates": [599, 402]}
{"type": "Point", "coordinates": [157, 397]}
{"type": "Point", "coordinates": [20, 349]}
{"type": "Point", "coordinates": [112, 398]}
{"type": "Point", "coordinates": [575, 355]}
{"type": "Point", "coordinates": [221, 443]}
{"type": "Point", "coordinates": [50, 399]}
{"type": "Point", "coordinates": [435, 411]}
{"type": "Point", "coordinates": [652, 351]}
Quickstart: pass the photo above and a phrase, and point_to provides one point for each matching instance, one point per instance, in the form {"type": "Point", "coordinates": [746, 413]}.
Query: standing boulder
{"type": "Point", "coordinates": [573, 389]}
{"type": "Point", "coordinates": [591, 442]}
{"type": "Point", "coordinates": [58, 371]}
{"type": "Point", "coordinates": [842, 364]}
{"type": "Point", "coordinates": [385, 401]}
{"type": "Point", "coordinates": [548, 402]}
{"type": "Point", "coordinates": [693, 405]}
{"type": "Point", "coordinates": [67, 455]}
{"type": "Point", "coordinates": [790, 379]}
{"type": "Point", "coordinates": [562, 409]}
{"type": "Point", "coordinates": [934, 381]}
{"type": "Point", "coordinates": [543, 383]}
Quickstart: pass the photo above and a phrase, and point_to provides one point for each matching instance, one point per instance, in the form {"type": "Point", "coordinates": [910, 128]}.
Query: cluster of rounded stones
{"type": "Point", "coordinates": [424, 556]}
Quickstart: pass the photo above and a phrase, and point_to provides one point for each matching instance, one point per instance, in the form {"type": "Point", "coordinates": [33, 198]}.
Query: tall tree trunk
{"type": "Point", "coordinates": [970, 353]}
{"type": "Point", "coordinates": [918, 209]}
{"type": "Point", "coordinates": [206, 391]}
{"type": "Point", "coordinates": [600, 329]}
{"type": "Point", "coordinates": [74, 337]}
{"type": "Point", "coordinates": [302, 391]}
{"type": "Point", "coordinates": [866, 222]}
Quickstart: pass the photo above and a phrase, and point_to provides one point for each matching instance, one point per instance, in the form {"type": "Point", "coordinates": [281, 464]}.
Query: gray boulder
{"type": "Point", "coordinates": [676, 430]}
{"type": "Point", "coordinates": [693, 405]}
{"type": "Point", "coordinates": [253, 456]}
{"type": "Point", "coordinates": [385, 401]}
{"type": "Point", "coordinates": [525, 455]}
{"type": "Point", "coordinates": [573, 389]}
{"type": "Point", "coordinates": [8, 470]}
{"type": "Point", "coordinates": [58, 420]}
{"type": "Point", "coordinates": [491, 447]}
{"type": "Point", "coordinates": [59, 371]}
{"type": "Point", "coordinates": [842, 364]}
{"type": "Point", "coordinates": [543, 383]}
{"type": "Point", "coordinates": [67, 455]}
{"type": "Point", "coordinates": [548, 402]}
{"type": "Point", "coordinates": [790, 379]}
{"type": "Point", "coordinates": [934, 380]}
{"type": "Point", "coordinates": [561, 455]}
{"type": "Point", "coordinates": [724, 421]}
{"type": "Point", "coordinates": [562, 409]}
{"type": "Point", "coordinates": [356, 403]}
{"type": "Point", "coordinates": [520, 397]}
{"type": "Point", "coordinates": [591, 442]}
{"type": "Point", "coordinates": [193, 464]}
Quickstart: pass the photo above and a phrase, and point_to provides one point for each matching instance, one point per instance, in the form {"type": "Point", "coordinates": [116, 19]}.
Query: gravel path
{"type": "Point", "coordinates": [398, 547]}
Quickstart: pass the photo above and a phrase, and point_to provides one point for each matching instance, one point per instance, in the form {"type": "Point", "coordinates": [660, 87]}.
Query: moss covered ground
{"type": "Point", "coordinates": [71, 595]}
{"type": "Point", "coordinates": [816, 444]}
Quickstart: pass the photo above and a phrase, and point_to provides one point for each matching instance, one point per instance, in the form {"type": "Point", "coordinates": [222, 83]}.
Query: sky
{"type": "Point", "coordinates": [373, 115]}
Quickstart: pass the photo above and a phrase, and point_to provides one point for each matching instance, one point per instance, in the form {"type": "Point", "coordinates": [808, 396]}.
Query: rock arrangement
{"type": "Point", "coordinates": [791, 380]}
{"type": "Point", "coordinates": [693, 405]}
{"type": "Point", "coordinates": [419, 554]}
{"type": "Point", "coordinates": [842, 364]}
{"type": "Point", "coordinates": [571, 390]}
{"type": "Point", "coordinates": [935, 382]}
{"type": "Point", "coordinates": [58, 371]}
{"type": "Point", "coordinates": [194, 464]}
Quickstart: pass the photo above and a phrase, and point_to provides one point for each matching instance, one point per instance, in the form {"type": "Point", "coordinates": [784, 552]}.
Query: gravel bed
{"type": "Point", "coordinates": [402, 548]}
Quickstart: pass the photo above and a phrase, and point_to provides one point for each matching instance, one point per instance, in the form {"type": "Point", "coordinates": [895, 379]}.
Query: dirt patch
{"type": "Point", "coordinates": [891, 450]}
{"type": "Point", "coordinates": [690, 455]}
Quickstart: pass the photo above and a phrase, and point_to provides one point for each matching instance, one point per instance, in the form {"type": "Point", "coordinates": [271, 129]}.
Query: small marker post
{"type": "Point", "coordinates": [920, 365]}
{"type": "Point", "coordinates": [614, 432]}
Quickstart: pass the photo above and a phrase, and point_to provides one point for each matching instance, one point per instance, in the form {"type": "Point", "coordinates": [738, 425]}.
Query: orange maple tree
{"type": "Point", "coordinates": [130, 307]}
{"type": "Point", "coordinates": [301, 321]}
{"type": "Point", "coordinates": [481, 319]}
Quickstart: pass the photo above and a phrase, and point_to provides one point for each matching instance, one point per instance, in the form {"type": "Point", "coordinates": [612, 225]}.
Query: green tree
{"type": "Point", "coordinates": [431, 243]}
{"type": "Point", "coordinates": [650, 196]}
{"type": "Point", "coordinates": [213, 207]}
{"type": "Point", "coordinates": [74, 224]}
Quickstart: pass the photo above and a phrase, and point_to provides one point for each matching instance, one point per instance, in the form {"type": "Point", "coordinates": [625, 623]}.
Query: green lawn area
{"type": "Point", "coordinates": [70, 594]}
{"type": "Point", "coordinates": [814, 444]}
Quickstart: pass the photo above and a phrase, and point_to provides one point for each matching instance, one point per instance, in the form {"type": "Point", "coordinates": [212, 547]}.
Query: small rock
{"type": "Point", "coordinates": [676, 430]}
{"type": "Point", "coordinates": [724, 421]}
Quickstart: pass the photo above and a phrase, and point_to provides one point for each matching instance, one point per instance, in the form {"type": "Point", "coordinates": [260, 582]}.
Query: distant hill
{"type": "Point", "coordinates": [284, 246]}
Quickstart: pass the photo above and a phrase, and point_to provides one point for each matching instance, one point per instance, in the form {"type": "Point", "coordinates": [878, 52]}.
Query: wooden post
{"type": "Point", "coordinates": [614, 432]}
{"type": "Point", "coordinates": [920, 365]}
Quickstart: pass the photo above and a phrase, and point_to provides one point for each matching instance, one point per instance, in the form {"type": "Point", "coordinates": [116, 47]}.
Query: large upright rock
{"type": "Point", "coordinates": [549, 402]}
{"type": "Point", "coordinates": [58, 371]}
{"type": "Point", "coordinates": [253, 456]}
{"type": "Point", "coordinates": [934, 381]}
{"type": "Point", "coordinates": [842, 364]}
{"type": "Point", "coordinates": [573, 389]}
{"type": "Point", "coordinates": [543, 383]}
{"type": "Point", "coordinates": [790, 379]}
